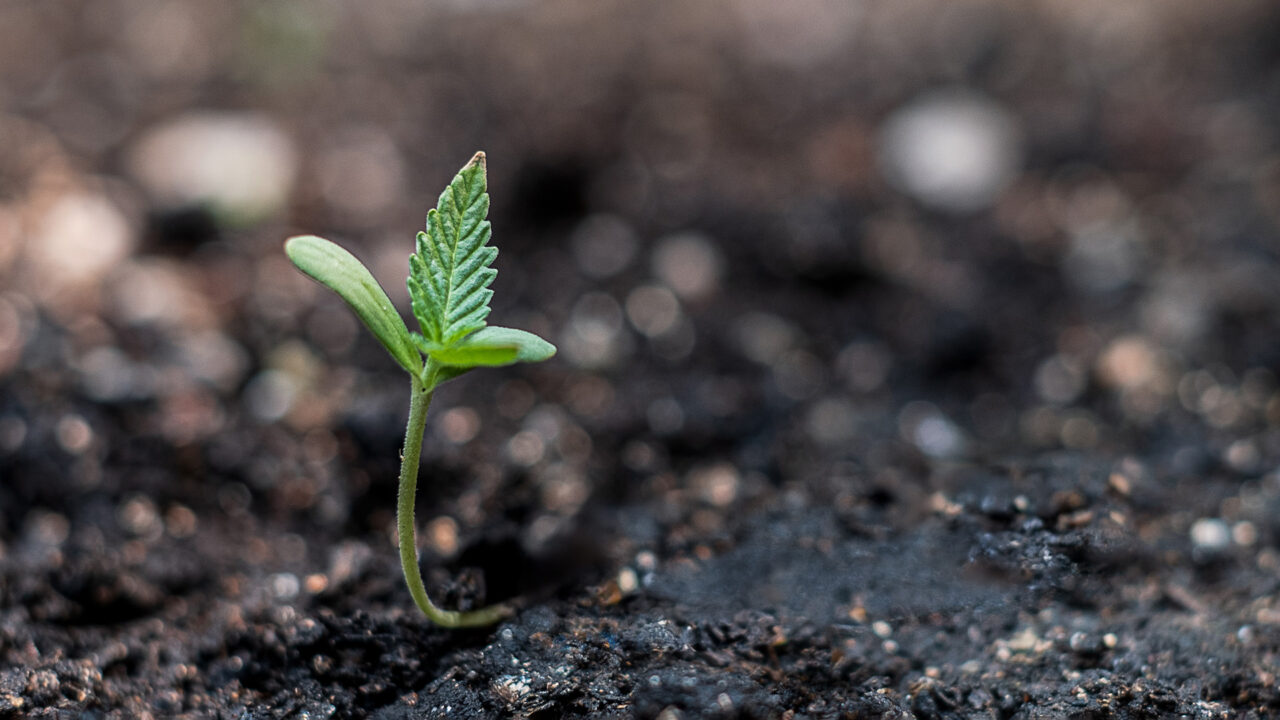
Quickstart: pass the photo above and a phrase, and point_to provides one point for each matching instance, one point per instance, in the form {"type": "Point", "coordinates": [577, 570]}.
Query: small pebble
{"type": "Point", "coordinates": [1244, 533]}
{"type": "Point", "coordinates": [652, 309]}
{"type": "Point", "coordinates": [628, 581]}
{"type": "Point", "coordinates": [1128, 362]}
{"type": "Point", "coordinates": [526, 448]}
{"type": "Point", "coordinates": [74, 434]}
{"type": "Point", "coordinates": [460, 424]}
{"type": "Point", "coordinates": [316, 583]}
{"type": "Point", "coordinates": [271, 394]}
{"type": "Point", "coordinates": [284, 586]}
{"type": "Point", "coordinates": [1210, 534]}
{"type": "Point", "coordinates": [139, 516]}
{"type": "Point", "coordinates": [923, 425]}
{"type": "Point", "coordinates": [79, 241]}
{"type": "Point", "coordinates": [180, 521]}
{"type": "Point", "coordinates": [243, 164]}
{"type": "Point", "coordinates": [689, 264]}
{"type": "Point", "coordinates": [953, 150]}
{"type": "Point", "coordinates": [442, 535]}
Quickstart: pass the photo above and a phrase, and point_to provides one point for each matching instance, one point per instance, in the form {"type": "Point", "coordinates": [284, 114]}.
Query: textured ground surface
{"type": "Point", "coordinates": [916, 361]}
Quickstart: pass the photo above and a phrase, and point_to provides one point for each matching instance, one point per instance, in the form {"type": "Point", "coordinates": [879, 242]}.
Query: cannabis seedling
{"type": "Point", "coordinates": [449, 280]}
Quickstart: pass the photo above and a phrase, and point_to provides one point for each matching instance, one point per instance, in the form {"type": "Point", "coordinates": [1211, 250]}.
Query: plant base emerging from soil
{"type": "Point", "coordinates": [449, 278]}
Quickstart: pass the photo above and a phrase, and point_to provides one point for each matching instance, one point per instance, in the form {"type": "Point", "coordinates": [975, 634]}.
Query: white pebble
{"type": "Point", "coordinates": [241, 163]}
{"type": "Point", "coordinates": [1210, 534]}
{"type": "Point", "coordinates": [953, 150]}
{"type": "Point", "coordinates": [689, 264]}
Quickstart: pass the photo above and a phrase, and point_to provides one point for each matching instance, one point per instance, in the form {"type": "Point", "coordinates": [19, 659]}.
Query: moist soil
{"type": "Point", "coordinates": [813, 447]}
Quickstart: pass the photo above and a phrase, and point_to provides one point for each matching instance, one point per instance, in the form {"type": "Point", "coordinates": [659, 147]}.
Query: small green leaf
{"type": "Point", "coordinates": [529, 348]}
{"type": "Point", "coordinates": [475, 356]}
{"type": "Point", "coordinates": [468, 355]}
{"type": "Point", "coordinates": [342, 273]}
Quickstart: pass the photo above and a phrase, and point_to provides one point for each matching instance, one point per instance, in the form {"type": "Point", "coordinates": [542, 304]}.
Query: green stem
{"type": "Point", "coordinates": [418, 403]}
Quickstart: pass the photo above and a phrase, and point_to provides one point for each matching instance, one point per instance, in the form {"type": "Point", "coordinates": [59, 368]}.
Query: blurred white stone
{"type": "Point", "coordinates": [953, 150]}
{"type": "Point", "coordinates": [285, 586]}
{"type": "Point", "coordinates": [652, 309]}
{"type": "Point", "coordinates": [1210, 534]}
{"type": "Point", "coordinates": [594, 337]}
{"type": "Point", "coordinates": [922, 424]}
{"type": "Point", "coordinates": [242, 164]}
{"type": "Point", "coordinates": [1128, 362]}
{"type": "Point", "coordinates": [717, 484]}
{"type": "Point", "coordinates": [271, 394]}
{"type": "Point", "coordinates": [526, 448]}
{"type": "Point", "coordinates": [80, 238]}
{"type": "Point", "coordinates": [214, 357]}
{"type": "Point", "coordinates": [1059, 379]}
{"type": "Point", "coordinates": [689, 264]}
{"type": "Point", "coordinates": [459, 425]}
{"type": "Point", "coordinates": [74, 434]}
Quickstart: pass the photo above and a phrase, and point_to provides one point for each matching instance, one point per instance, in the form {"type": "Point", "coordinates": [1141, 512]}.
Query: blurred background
{"type": "Point", "coordinates": [813, 248]}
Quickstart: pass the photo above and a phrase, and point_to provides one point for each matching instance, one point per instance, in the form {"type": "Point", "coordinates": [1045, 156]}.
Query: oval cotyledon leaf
{"type": "Point", "coordinates": [341, 272]}
{"type": "Point", "coordinates": [490, 346]}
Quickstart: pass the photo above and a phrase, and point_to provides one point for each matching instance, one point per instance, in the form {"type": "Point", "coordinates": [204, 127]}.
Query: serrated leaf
{"type": "Point", "coordinates": [341, 272]}
{"type": "Point", "coordinates": [450, 274]}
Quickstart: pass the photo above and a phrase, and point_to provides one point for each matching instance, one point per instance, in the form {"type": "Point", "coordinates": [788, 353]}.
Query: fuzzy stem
{"type": "Point", "coordinates": [419, 400]}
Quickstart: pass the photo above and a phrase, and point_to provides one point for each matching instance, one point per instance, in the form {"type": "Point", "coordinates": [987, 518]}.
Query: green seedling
{"type": "Point", "coordinates": [449, 278]}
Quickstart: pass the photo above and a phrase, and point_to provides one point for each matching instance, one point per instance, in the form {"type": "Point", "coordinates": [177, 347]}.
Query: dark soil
{"type": "Point", "coordinates": [816, 445]}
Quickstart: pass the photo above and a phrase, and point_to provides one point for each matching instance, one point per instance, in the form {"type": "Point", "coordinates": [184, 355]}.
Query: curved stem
{"type": "Point", "coordinates": [418, 403]}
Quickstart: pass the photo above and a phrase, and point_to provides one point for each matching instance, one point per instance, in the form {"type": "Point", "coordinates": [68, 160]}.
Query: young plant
{"type": "Point", "coordinates": [449, 278]}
